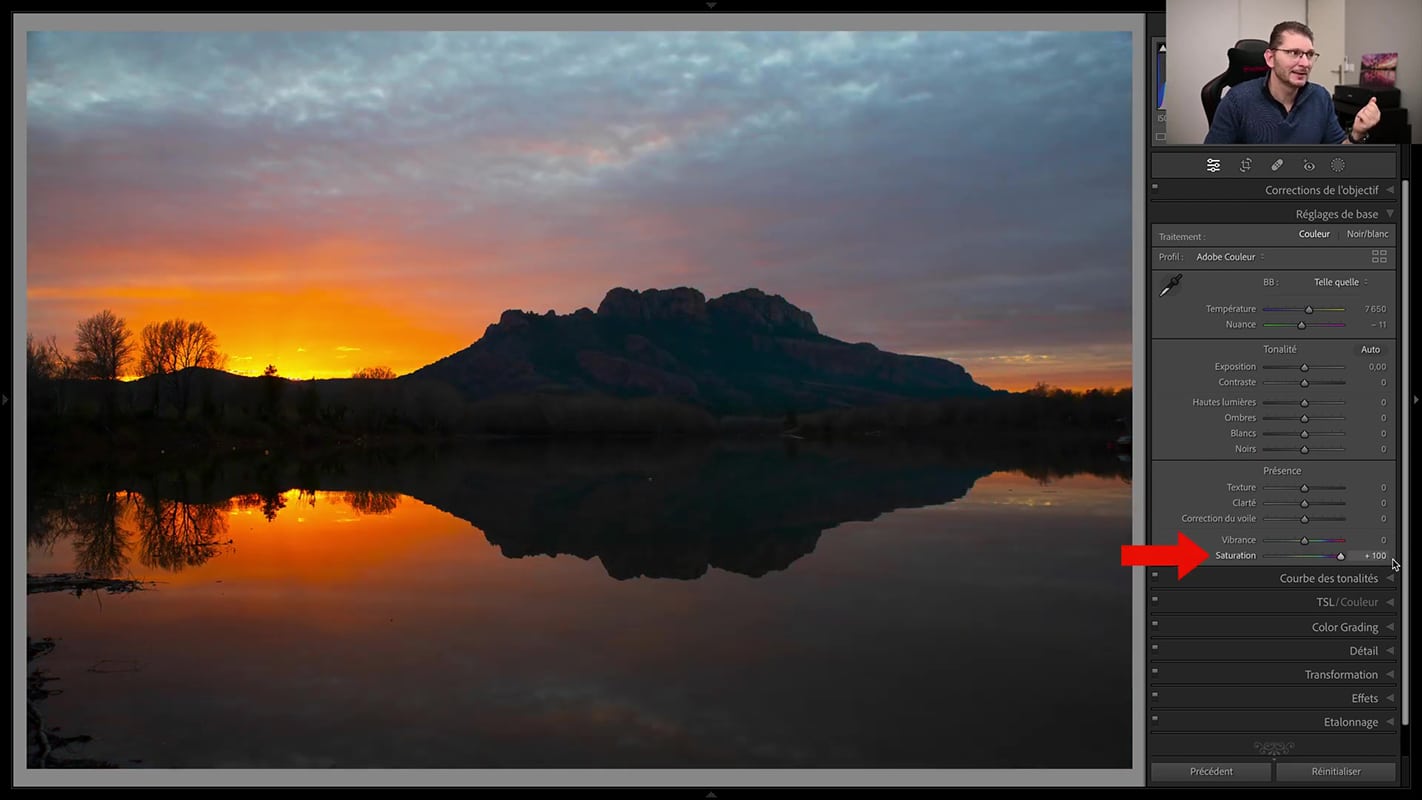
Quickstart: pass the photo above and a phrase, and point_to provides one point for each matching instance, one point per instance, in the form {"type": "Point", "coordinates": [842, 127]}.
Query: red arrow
{"type": "Point", "coordinates": [1184, 554]}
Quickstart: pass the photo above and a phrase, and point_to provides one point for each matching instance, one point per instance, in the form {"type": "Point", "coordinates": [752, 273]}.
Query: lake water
{"type": "Point", "coordinates": [622, 607]}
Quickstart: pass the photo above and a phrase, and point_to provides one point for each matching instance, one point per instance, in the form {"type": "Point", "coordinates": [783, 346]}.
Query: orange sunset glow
{"type": "Point", "coordinates": [330, 202]}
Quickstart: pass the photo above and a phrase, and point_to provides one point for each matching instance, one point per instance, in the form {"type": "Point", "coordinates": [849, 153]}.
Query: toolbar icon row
{"type": "Point", "coordinates": [1246, 164]}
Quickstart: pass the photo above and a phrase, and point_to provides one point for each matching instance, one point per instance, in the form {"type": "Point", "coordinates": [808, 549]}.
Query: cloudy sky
{"type": "Point", "coordinates": [326, 202]}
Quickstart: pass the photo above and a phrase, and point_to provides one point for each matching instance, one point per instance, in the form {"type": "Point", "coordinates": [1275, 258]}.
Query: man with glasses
{"type": "Point", "coordinates": [1283, 107]}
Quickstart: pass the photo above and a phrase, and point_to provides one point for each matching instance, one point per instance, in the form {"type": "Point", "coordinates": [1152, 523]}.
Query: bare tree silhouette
{"type": "Point", "coordinates": [93, 522]}
{"type": "Point", "coordinates": [173, 534]}
{"type": "Point", "coordinates": [100, 540]}
{"type": "Point", "coordinates": [43, 360]}
{"type": "Point", "coordinates": [169, 347]}
{"type": "Point", "coordinates": [103, 346]}
{"type": "Point", "coordinates": [368, 502]}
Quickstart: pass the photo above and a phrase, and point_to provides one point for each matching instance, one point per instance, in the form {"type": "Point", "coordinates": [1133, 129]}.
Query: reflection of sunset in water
{"type": "Point", "coordinates": [312, 537]}
{"type": "Point", "coordinates": [370, 629]}
{"type": "Point", "coordinates": [1079, 493]}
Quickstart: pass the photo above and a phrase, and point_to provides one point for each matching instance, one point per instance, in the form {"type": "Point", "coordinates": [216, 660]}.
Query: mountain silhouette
{"type": "Point", "coordinates": [745, 352]}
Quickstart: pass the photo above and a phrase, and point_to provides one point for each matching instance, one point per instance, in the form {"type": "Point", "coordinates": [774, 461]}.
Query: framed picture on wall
{"type": "Point", "coordinates": [1379, 70]}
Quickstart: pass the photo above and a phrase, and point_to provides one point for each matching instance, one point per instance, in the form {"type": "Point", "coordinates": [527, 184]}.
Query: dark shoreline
{"type": "Point", "coordinates": [175, 451]}
{"type": "Point", "coordinates": [42, 740]}
{"type": "Point", "coordinates": [82, 422]}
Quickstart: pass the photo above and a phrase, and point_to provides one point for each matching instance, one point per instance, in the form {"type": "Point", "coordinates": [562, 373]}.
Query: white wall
{"type": "Point", "coordinates": [1384, 26]}
{"type": "Point", "coordinates": [1329, 22]}
{"type": "Point", "coordinates": [1258, 17]}
{"type": "Point", "coordinates": [1198, 33]}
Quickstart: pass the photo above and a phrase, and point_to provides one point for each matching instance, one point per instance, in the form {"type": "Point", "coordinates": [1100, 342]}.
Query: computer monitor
{"type": "Point", "coordinates": [696, 402]}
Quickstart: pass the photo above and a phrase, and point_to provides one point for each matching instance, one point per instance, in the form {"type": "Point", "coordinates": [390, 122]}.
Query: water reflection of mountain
{"type": "Point", "coordinates": [642, 510]}
{"type": "Point", "coordinates": [677, 514]}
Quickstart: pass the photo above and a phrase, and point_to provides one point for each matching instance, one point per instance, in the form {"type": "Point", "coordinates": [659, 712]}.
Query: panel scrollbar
{"type": "Point", "coordinates": [1409, 401]}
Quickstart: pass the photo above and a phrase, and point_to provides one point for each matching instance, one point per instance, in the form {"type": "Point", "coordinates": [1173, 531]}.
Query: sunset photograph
{"type": "Point", "coordinates": [473, 399]}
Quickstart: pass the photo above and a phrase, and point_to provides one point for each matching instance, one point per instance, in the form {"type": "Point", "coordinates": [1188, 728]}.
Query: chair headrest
{"type": "Point", "coordinates": [1246, 61]}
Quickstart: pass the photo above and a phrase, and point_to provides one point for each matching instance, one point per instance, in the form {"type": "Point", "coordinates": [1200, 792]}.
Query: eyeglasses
{"type": "Point", "coordinates": [1297, 54]}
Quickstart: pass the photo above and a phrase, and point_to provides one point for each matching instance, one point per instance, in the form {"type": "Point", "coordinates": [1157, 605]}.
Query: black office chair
{"type": "Point", "coordinates": [1246, 62]}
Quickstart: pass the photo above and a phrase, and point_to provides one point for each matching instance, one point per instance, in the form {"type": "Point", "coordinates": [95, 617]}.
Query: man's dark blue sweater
{"type": "Point", "coordinates": [1248, 114]}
